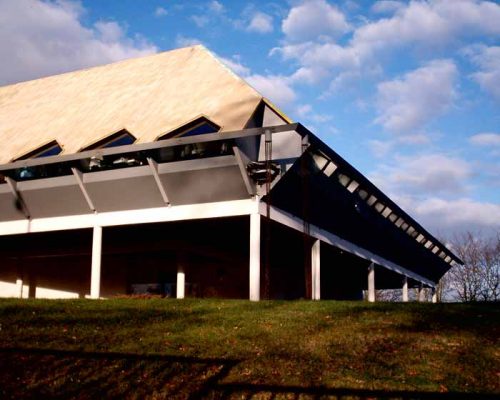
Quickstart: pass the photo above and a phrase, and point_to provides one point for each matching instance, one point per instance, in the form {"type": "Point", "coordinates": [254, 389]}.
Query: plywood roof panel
{"type": "Point", "coordinates": [147, 96]}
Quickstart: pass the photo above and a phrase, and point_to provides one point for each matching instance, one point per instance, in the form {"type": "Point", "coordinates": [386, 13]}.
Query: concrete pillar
{"type": "Point", "coordinates": [371, 283]}
{"type": "Point", "coordinates": [181, 280]}
{"type": "Point", "coordinates": [434, 295]}
{"type": "Point", "coordinates": [316, 270]}
{"type": "Point", "coordinates": [421, 293]}
{"type": "Point", "coordinates": [254, 262]}
{"type": "Point", "coordinates": [19, 287]}
{"type": "Point", "coordinates": [405, 289]}
{"type": "Point", "coordinates": [95, 275]}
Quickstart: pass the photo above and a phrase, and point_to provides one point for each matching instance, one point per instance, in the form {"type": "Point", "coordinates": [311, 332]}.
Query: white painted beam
{"type": "Point", "coordinates": [95, 275]}
{"type": "Point", "coordinates": [316, 270]}
{"type": "Point", "coordinates": [130, 217]}
{"type": "Point", "coordinates": [405, 289]}
{"type": "Point", "coordinates": [161, 187]}
{"type": "Point", "coordinates": [434, 295]}
{"type": "Point", "coordinates": [79, 179]}
{"type": "Point", "coordinates": [254, 262]}
{"type": "Point", "coordinates": [371, 283]}
{"type": "Point", "coordinates": [296, 223]}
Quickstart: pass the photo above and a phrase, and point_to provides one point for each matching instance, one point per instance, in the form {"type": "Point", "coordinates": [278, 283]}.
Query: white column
{"type": "Point", "coordinates": [254, 256]}
{"type": "Point", "coordinates": [434, 295]}
{"type": "Point", "coordinates": [95, 275]}
{"type": "Point", "coordinates": [181, 280]}
{"type": "Point", "coordinates": [405, 289]}
{"type": "Point", "coordinates": [421, 293]}
{"type": "Point", "coordinates": [371, 283]}
{"type": "Point", "coordinates": [19, 287]}
{"type": "Point", "coordinates": [316, 270]}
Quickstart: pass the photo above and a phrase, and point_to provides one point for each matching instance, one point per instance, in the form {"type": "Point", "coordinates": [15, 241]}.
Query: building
{"type": "Point", "coordinates": [169, 174]}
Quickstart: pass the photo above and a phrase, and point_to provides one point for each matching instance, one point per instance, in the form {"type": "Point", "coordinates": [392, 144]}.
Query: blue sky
{"type": "Point", "coordinates": [408, 92]}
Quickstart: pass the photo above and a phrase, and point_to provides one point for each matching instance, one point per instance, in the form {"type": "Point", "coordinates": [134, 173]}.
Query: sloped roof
{"type": "Point", "coordinates": [147, 96]}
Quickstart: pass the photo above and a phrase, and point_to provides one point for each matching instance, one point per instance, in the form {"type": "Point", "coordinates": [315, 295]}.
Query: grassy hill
{"type": "Point", "coordinates": [237, 349]}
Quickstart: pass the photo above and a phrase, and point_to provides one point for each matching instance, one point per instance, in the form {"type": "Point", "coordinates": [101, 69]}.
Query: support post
{"type": "Point", "coordinates": [405, 289]}
{"type": "Point", "coordinates": [254, 256]}
{"type": "Point", "coordinates": [181, 277]}
{"type": "Point", "coordinates": [434, 295]}
{"type": "Point", "coordinates": [421, 293]}
{"type": "Point", "coordinates": [316, 270]}
{"type": "Point", "coordinates": [95, 276]}
{"type": "Point", "coordinates": [371, 283]}
{"type": "Point", "coordinates": [19, 287]}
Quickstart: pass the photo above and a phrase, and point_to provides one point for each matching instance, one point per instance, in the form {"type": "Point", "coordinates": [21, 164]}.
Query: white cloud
{"type": "Point", "coordinates": [427, 174]}
{"type": "Point", "coordinates": [386, 6]}
{"type": "Point", "coordinates": [488, 60]}
{"type": "Point", "coordinates": [445, 217]}
{"type": "Point", "coordinates": [216, 6]}
{"type": "Point", "coordinates": [275, 87]}
{"type": "Point", "coordinates": [306, 112]}
{"type": "Point", "coordinates": [408, 103]}
{"type": "Point", "coordinates": [45, 38]}
{"type": "Point", "coordinates": [235, 66]}
{"type": "Point", "coordinates": [313, 19]}
{"type": "Point", "coordinates": [260, 23]}
{"type": "Point", "coordinates": [200, 20]}
{"type": "Point", "coordinates": [424, 25]}
{"type": "Point", "coordinates": [486, 139]}
{"type": "Point", "coordinates": [380, 148]}
{"type": "Point", "coordinates": [160, 12]}
{"type": "Point", "coordinates": [185, 41]}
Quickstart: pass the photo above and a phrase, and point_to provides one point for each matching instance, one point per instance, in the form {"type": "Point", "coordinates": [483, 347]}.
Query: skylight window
{"type": "Point", "coordinates": [393, 217]}
{"type": "Point", "coordinates": [47, 150]}
{"type": "Point", "coordinates": [371, 200]}
{"type": "Point", "coordinates": [386, 212]}
{"type": "Point", "coordinates": [352, 186]}
{"type": "Point", "coordinates": [120, 138]}
{"type": "Point", "coordinates": [199, 126]}
{"type": "Point", "coordinates": [330, 169]}
{"type": "Point", "coordinates": [379, 207]}
{"type": "Point", "coordinates": [344, 179]}
{"type": "Point", "coordinates": [363, 194]}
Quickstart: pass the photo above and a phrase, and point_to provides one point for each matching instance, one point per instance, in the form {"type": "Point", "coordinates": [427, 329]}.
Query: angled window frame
{"type": "Point", "coordinates": [108, 140]}
{"type": "Point", "coordinates": [41, 151]}
{"type": "Point", "coordinates": [188, 127]}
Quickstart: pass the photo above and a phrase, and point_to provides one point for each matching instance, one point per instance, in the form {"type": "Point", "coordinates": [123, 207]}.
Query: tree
{"type": "Point", "coordinates": [479, 278]}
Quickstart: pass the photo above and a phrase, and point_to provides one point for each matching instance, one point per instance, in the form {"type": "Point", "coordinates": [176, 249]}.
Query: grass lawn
{"type": "Point", "coordinates": [237, 349]}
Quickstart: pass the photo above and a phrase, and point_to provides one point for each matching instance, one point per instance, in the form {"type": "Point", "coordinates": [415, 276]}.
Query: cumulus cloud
{"type": "Point", "coordinates": [306, 112]}
{"type": "Point", "coordinates": [45, 38]}
{"type": "Point", "coordinates": [160, 12]}
{"type": "Point", "coordinates": [200, 20]}
{"type": "Point", "coordinates": [275, 87]}
{"type": "Point", "coordinates": [486, 139]}
{"type": "Point", "coordinates": [427, 174]}
{"type": "Point", "coordinates": [408, 103]}
{"type": "Point", "coordinates": [236, 66]}
{"type": "Point", "coordinates": [185, 41]}
{"type": "Point", "coordinates": [313, 19]}
{"type": "Point", "coordinates": [488, 75]}
{"type": "Point", "coordinates": [216, 7]}
{"type": "Point", "coordinates": [386, 6]}
{"type": "Point", "coordinates": [260, 23]}
{"type": "Point", "coordinates": [446, 217]}
{"type": "Point", "coordinates": [417, 24]}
